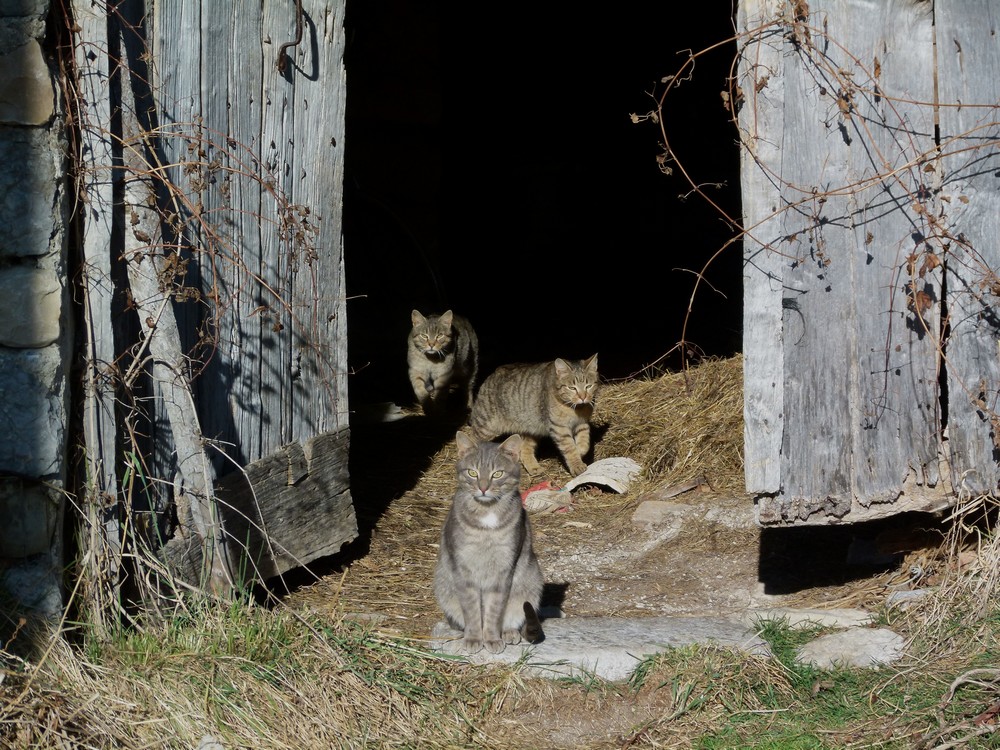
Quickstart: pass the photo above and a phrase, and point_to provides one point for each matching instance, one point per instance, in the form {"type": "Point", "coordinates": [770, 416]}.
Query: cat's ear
{"type": "Point", "coordinates": [512, 447]}
{"type": "Point", "coordinates": [416, 318]}
{"type": "Point", "coordinates": [591, 364]}
{"type": "Point", "coordinates": [562, 369]}
{"type": "Point", "coordinates": [464, 443]}
{"type": "Point", "coordinates": [446, 318]}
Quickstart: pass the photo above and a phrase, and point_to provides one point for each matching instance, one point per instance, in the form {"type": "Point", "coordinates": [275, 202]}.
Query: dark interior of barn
{"type": "Point", "coordinates": [493, 167]}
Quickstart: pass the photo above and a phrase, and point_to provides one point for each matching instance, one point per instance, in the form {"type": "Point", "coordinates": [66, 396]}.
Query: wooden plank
{"type": "Point", "coordinates": [819, 318]}
{"type": "Point", "coordinates": [856, 399]}
{"type": "Point", "coordinates": [761, 127]}
{"type": "Point", "coordinates": [274, 254]}
{"type": "Point", "coordinates": [278, 251]}
{"type": "Point", "coordinates": [102, 543]}
{"type": "Point", "coordinates": [895, 421]}
{"type": "Point", "coordinates": [209, 120]}
{"type": "Point", "coordinates": [319, 372]}
{"type": "Point", "coordinates": [288, 509]}
{"type": "Point", "coordinates": [230, 195]}
{"type": "Point", "coordinates": [969, 89]}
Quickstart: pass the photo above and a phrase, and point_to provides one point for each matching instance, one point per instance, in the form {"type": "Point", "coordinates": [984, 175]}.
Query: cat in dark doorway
{"type": "Point", "coordinates": [549, 399]}
{"type": "Point", "coordinates": [442, 359]}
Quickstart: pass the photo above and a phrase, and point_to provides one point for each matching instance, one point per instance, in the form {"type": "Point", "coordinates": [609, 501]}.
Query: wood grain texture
{"type": "Point", "coordinates": [233, 234]}
{"type": "Point", "coordinates": [283, 512]}
{"type": "Point", "coordinates": [842, 340]}
{"type": "Point", "coordinates": [969, 87]}
{"type": "Point", "coordinates": [102, 544]}
{"type": "Point", "coordinates": [265, 209]}
{"type": "Point", "coordinates": [762, 127]}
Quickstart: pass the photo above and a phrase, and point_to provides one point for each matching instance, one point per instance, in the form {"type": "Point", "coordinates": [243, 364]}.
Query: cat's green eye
{"type": "Point", "coordinates": [472, 473]}
{"type": "Point", "coordinates": [497, 474]}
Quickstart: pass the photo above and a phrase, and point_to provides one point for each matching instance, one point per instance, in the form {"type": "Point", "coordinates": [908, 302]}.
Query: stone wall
{"type": "Point", "coordinates": [35, 324]}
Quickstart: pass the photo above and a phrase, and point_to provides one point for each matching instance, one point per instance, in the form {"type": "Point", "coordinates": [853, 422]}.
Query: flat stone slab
{"type": "Point", "coordinates": [608, 647]}
{"type": "Point", "coordinates": [805, 617]}
{"type": "Point", "coordinates": [856, 647]}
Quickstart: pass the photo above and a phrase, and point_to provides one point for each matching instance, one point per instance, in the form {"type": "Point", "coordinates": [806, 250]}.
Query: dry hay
{"type": "Point", "coordinates": [677, 426]}
{"type": "Point", "coordinates": [680, 427]}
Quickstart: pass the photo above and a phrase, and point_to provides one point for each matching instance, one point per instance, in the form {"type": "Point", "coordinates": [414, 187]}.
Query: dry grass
{"type": "Point", "coordinates": [248, 677]}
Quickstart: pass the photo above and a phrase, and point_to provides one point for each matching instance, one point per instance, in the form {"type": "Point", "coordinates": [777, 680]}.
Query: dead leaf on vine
{"type": "Point", "coordinates": [931, 261]}
{"type": "Point", "coordinates": [921, 301]}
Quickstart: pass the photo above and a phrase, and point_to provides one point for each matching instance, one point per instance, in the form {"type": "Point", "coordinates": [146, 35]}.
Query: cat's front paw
{"type": "Point", "coordinates": [577, 468]}
{"type": "Point", "coordinates": [495, 647]}
{"type": "Point", "coordinates": [512, 636]}
{"type": "Point", "coordinates": [533, 468]}
{"type": "Point", "coordinates": [471, 645]}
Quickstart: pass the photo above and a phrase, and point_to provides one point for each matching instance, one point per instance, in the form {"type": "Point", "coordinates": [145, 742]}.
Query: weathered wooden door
{"type": "Point", "coordinates": [871, 196]}
{"type": "Point", "coordinates": [212, 151]}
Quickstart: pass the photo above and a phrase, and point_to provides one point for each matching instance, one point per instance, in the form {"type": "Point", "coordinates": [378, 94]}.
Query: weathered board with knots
{"type": "Point", "coordinates": [871, 309]}
{"type": "Point", "coordinates": [264, 116]}
{"type": "Point", "coordinates": [282, 511]}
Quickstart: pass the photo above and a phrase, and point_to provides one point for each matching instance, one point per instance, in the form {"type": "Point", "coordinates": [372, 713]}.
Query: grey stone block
{"type": "Point", "coordinates": [23, 8]}
{"type": "Point", "coordinates": [27, 95]}
{"type": "Point", "coordinates": [856, 647]}
{"type": "Point", "coordinates": [29, 515]}
{"type": "Point", "coordinates": [609, 647]}
{"type": "Point", "coordinates": [35, 584]}
{"type": "Point", "coordinates": [31, 314]}
{"type": "Point", "coordinates": [31, 176]}
{"type": "Point", "coordinates": [32, 412]}
{"type": "Point", "coordinates": [21, 20]}
{"type": "Point", "coordinates": [842, 617]}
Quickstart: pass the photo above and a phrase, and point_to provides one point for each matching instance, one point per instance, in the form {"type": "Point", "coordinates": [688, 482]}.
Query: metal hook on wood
{"type": "Point", "coordinates": [282, 61]}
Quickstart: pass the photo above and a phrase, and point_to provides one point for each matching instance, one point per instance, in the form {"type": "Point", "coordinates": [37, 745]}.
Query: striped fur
{"type": "Point", "coordinates": [488, 581]}
{"type": "Point", "coordinates": [442, 358]}
{"type": "Point", "coordinates": [545, 400]}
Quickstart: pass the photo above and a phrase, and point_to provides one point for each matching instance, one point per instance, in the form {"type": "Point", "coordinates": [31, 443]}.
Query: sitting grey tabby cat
{"type": "Point", "coordinates": [488, 581]}
{"type": "Point", "coordinates": [550, 399]}
{"type": "Point", "coordinates": [442, 358]}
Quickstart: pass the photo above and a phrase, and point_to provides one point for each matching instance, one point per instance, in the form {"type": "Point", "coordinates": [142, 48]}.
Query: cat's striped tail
{"type": "Point", "coordinates": [532, 625]}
